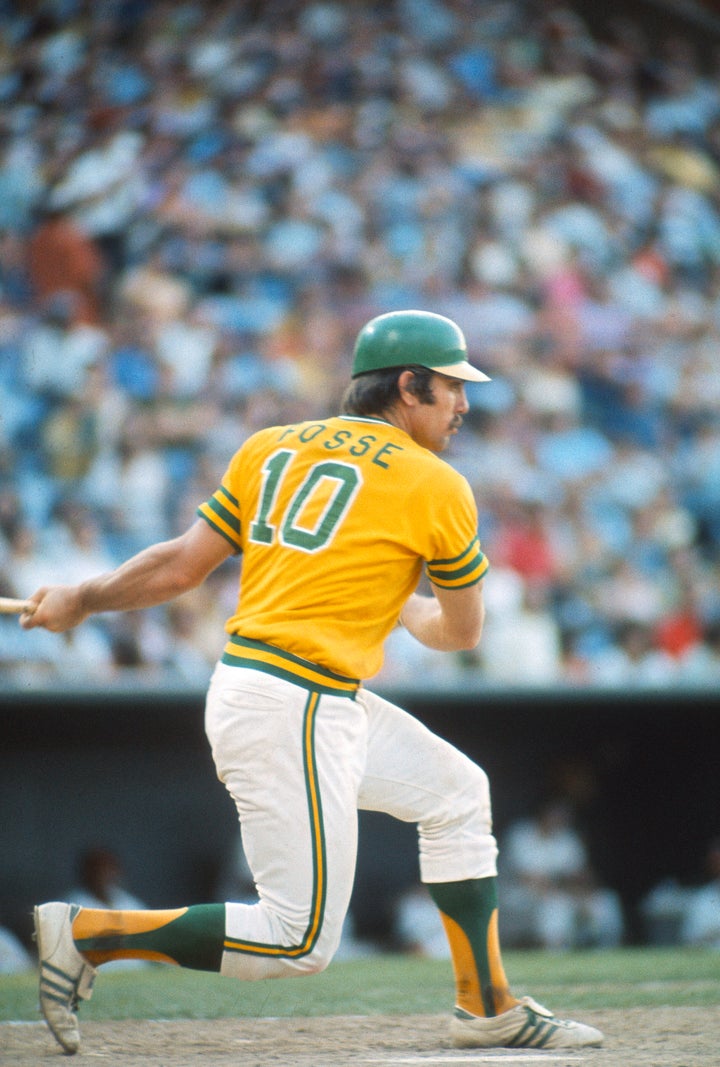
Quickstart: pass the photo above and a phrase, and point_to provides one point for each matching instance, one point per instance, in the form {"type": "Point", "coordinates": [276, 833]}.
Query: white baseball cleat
{"type": "Point", "coordinates": [527, 1025]}
{"type": "Point", "coordinates": [65, 976]}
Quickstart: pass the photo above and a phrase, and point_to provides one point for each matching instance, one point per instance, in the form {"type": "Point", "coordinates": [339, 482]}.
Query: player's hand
{"type": "Point", "coordinates": [57, 608]}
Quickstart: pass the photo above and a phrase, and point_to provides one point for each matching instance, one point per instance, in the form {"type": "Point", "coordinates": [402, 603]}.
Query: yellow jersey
{"type": "Point", "coordinates": [335, 520]}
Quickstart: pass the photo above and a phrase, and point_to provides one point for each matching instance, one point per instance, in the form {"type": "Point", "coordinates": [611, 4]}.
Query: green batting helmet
{"type": "Point", "coordinates": [419, 338]}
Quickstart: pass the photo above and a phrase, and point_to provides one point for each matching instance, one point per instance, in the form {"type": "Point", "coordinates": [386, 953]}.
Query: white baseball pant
{"type": "Point", "coordinates": [298, 765]}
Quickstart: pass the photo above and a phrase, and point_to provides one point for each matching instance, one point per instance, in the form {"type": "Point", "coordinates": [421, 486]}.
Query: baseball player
{"type": "Point", "coordinates": [335, 520]}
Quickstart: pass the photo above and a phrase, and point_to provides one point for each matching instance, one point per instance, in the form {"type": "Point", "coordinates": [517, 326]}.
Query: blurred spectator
{"type": "Point", "coordinates": [630, 594]}
{"type": "Point", "coordinates": [58, 351]}
{"type": "Point", "coordinates": [103, 185]}
{"type": "Point", "coordinates": [680, 630]}
{"type": "Point", "coordinates": [702, 913]}
{"type": "Point", "coordinates": [663, 912]}
{"type": "Point", "coordinates": [187, 657]}
{"type": "Point", "coordinates": [63, 260]}
{"type": "Point", "coordinates": [185, 347]}
{"type": "Point", "coordinates": [701, 925]}
{"type": "Point", "coordinates": [676, 914]}
{"type": "Point", "coordinates": [551, 894]}
{"type": "Point", "coordinates": [15, 284]}
{"type": "Point", "coordinates": [633, 661]}
{"type": "Point", "coordinates": [26, 563]}
{"type": "Point", "coordinates": [70, 440]}
{"type": "Point", "coordinates": [131, 485]}
{"type": "Point", "coordinates": [523, 646]}
{"type": "Point", "coordinates": [139, 643]}
{"type": "Point", "coordinates": [700, 664]}
{"type": "Point", "coordinates": [418, 928]}
{"type": "Point", "coordinates": [191, 256]}
{"type": "Point", "coordinates": [151, 291]}
{"type": "Point", "coordinates": [78, 544]}
{"type": "Point", "coordinates": [14, 957]}
{"type": "Point", "coordinates": [524, 545]}
{"type": "Point", "coordinates": [101, 881]}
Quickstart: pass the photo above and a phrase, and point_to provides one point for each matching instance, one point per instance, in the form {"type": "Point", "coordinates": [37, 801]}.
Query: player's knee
{"type": "Point", "coordinates": [463, 805]}
{"type": "Point", "coordinates": [479, 791]}
{"type": "Point", "coordinates": [325, 947]}
{"type": "Point", "coordinates": [317, 957]}
{"type": "Point", "coordinates": [317, 961]}
{"type": "Point", "coordinates": [470, 798]}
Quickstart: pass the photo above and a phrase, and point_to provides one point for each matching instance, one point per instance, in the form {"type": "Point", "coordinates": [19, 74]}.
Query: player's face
{"type": "Point", "coordinates": [435, 424]}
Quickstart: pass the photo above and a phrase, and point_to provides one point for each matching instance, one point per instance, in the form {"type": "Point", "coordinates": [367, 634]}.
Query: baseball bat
{"type": "Point", "coordinates": [10, 605]}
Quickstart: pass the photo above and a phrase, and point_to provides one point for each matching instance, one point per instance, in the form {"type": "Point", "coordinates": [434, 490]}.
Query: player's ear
{"type": "Point", "coordinates": [407, 386]}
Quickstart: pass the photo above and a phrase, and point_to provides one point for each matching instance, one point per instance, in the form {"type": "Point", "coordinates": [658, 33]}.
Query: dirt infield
{"type": "Point", "coordinates": [643, 1037]}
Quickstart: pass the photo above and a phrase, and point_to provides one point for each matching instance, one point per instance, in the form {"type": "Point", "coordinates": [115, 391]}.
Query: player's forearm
{"type": "Point", "coordinates": [152, 577]}
{"type": "Point", "coordinates": [425, 618]}
{"type": "Point", "coordinates": [155, 575]}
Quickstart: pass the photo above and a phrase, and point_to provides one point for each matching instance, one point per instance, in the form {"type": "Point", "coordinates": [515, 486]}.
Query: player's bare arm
{"type": "Point", "coordinates": [450, 621]}
{"type": "Point", "coordinates": [157, 574]}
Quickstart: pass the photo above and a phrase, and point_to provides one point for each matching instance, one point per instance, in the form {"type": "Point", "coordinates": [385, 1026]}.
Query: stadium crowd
{"type": "Point", "coordinates": [201, 204]}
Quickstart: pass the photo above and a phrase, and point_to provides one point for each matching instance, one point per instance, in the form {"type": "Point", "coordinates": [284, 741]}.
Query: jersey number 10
{"type": "Point", "coordinates": [347, 479]}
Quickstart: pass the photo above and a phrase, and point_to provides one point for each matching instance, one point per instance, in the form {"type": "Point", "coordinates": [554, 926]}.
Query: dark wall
{"type": "Point", "coordinates": [134, 772]}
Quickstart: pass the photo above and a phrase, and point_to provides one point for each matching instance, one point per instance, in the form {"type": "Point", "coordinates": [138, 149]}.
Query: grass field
{"type": "Point", "coordinates": [391, 985]}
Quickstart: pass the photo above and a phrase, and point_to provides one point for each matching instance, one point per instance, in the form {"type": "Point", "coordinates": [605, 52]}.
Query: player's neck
{"type": "Point", "coordinates": [395, 417]}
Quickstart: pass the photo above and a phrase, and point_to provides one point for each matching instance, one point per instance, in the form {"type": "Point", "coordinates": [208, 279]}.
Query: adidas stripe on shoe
{"type": "Point", "coordinates": [527, 1025]}
{"type": "Point", "coordinates": [65, 976]}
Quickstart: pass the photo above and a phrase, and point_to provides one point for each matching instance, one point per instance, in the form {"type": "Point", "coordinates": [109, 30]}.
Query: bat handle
{"type": "Point", "coordinates": [13, 606]}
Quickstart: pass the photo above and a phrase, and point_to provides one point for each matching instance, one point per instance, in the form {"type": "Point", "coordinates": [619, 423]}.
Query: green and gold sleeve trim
{"type": "Point", "coordinates": [466, 569]}
{"type": "Point", "coordinates": [242, 652]}
{"type": "Point", "coordinates": [222, 512]}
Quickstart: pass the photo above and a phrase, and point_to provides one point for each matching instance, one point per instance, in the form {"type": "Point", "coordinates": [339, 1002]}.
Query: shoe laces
{"type": "Point", "coordinates": [529, 1002]}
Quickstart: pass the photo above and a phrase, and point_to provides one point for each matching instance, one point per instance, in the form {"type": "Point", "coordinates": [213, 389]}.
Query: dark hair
{"type": "Point", "coordinates": [377, 391]}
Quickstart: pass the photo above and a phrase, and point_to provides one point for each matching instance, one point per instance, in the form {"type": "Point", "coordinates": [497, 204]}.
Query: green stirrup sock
{"type": "Point", "coordinates": [471, 908]}
{"type": "Point", "coordinates": [194, 938]}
